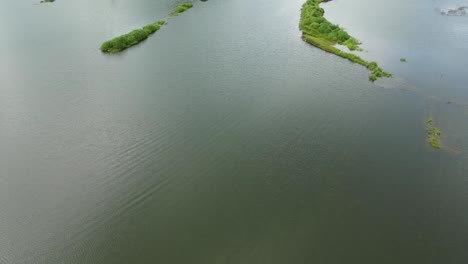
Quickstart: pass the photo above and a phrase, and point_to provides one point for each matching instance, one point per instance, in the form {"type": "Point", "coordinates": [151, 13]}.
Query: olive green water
{"type": "Point", "coordinates": [224, 138]}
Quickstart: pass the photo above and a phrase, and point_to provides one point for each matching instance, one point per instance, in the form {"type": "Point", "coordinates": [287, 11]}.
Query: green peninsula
{"type": "Point", "coordinates": [318, 31]}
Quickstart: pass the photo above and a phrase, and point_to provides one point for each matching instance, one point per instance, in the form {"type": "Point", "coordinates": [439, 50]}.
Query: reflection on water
{"type": "Point", "coordinates": [226, 139]}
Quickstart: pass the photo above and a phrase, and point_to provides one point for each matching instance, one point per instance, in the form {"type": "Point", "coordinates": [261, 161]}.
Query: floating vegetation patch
{"type": "Point", "coordinates": [402, 59]}
{"type": "Point", "coordinates": [318, 31]}
{"type": "Point", "coordinates": [433, 134]}
{"type": "Point", "coordinates": [459, 11]}
{"type": "Point", "coordinates": [47, 1]}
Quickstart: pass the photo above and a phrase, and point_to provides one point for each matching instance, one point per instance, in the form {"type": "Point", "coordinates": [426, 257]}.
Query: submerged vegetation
{"type": "Point", "coordinates": [181, 8]}
{"type": "Point", "coordinates": [318, 31]}
{"type": "Point", "coordinates": [136, 36]}
{"type": "Point", "coordinates": [433, 133]}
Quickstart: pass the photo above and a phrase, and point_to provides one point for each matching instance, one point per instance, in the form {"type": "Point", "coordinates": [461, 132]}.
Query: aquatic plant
{"type": "Point", "coordinates": [47, 1]}
{"type": "Point", "coordinates": [402, 59]}
{"type": "Point", "coordinates": [181, 8]}
{"type": "Point", "coordinates": [433, 133]}
{"type": "Point", "coordinates": [318, 31]}
{"type": "Point", "coordinates": [125, 41]}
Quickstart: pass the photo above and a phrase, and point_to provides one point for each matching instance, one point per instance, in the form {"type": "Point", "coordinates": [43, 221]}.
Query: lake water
{"type": "Point", "coordinates": [224, 138]}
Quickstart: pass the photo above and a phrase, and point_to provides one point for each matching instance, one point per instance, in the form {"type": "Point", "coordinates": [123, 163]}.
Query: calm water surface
{"type": "Point", "coordinates": [224, 138]}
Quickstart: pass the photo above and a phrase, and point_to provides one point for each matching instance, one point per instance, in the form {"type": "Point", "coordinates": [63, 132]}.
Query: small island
{"type": "Point", "coordinates": [181, 8]}
{"type": "Point", "coordinates": [47, 1]}
{"type": "Point", "coordinates": [125, 41]}
{"type": "Point", "coordinates": [136, 36]}
{"type": "Point", "coordinates": [433, 134]}
{"type": "Point", "coordinates": [318, 31]}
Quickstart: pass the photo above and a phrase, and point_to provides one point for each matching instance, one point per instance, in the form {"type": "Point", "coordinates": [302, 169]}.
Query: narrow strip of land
{"type": "Point", "coordinates": [136, 36]}
{"type": "Point", "coordinates": [318, 31]}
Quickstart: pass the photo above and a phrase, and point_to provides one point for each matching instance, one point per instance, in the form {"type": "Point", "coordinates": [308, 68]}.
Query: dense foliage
{"type": "Point", "coordinates": [134, 37]}
{"type": "Point", "coordinates": [318, 31]}
{"type": "Point", "coordinates": [313, 23]}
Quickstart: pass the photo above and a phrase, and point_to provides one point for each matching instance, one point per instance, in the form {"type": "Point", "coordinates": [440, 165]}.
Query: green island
{"type": "Point", "coordinates": [47, 1]}
{"type": "Point", "coordinates": [433, 134]}
{"type": "Point", "coordinates": [319, 32]}
{"type": "Point", "coordinates": [136, 36]}
{"type": "Point", "coordinates": [402, 59]}
{"type": "Point", "coordinates": [181, 8]}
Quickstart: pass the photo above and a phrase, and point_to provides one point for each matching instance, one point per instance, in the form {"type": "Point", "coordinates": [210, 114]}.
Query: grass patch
{"type": "Point", "coordinates": [181, 8]}
{"type": "Point", "coordinates": [433, 134]}
{"type": "Point", "coordinates": [318, 31]}
{"type": "Point", "coordinates": [402, 59]}
{"type": "Point", "coordinates": [125, 41]}
{"type": "Point", "coordinates": [47, 1]}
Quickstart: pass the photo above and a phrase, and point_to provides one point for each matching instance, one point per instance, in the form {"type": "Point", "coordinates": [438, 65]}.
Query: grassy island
{"type": "Point", "coordinates": [47, 1]}
{"type": "Point", "coordinates": [318, 31]}
{"type": "Point", "coordinates": [433, 134]}
{"type": "Point", "coordinates": [181, 8]}
{"type": "Point", "coordinates": [402, 59]}
{"type": "Point", "coordinates": [125, 41]}
{"type": "Point", "coordinates": [136, 36]}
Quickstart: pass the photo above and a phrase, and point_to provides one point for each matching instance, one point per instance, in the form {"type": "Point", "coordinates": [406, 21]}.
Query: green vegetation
{"type": "Point", "coordinates": [433, 133]}
{"type": "Point", "coordinates": [181, 8]}
{"type": "Point", "coordinates": [47, 1]}
{"type": "Point", "coordinates": [318, 31]}
{"type": "Point", "coordinates": [136, 36]}
{"type": "Point", "coordinates": [402, 59]}
{"type": "Point", "coordinates": [120, 43]}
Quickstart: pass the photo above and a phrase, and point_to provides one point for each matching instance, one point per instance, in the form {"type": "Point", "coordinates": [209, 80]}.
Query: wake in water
{"type": "Point", "coordinates": [459, 11]}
